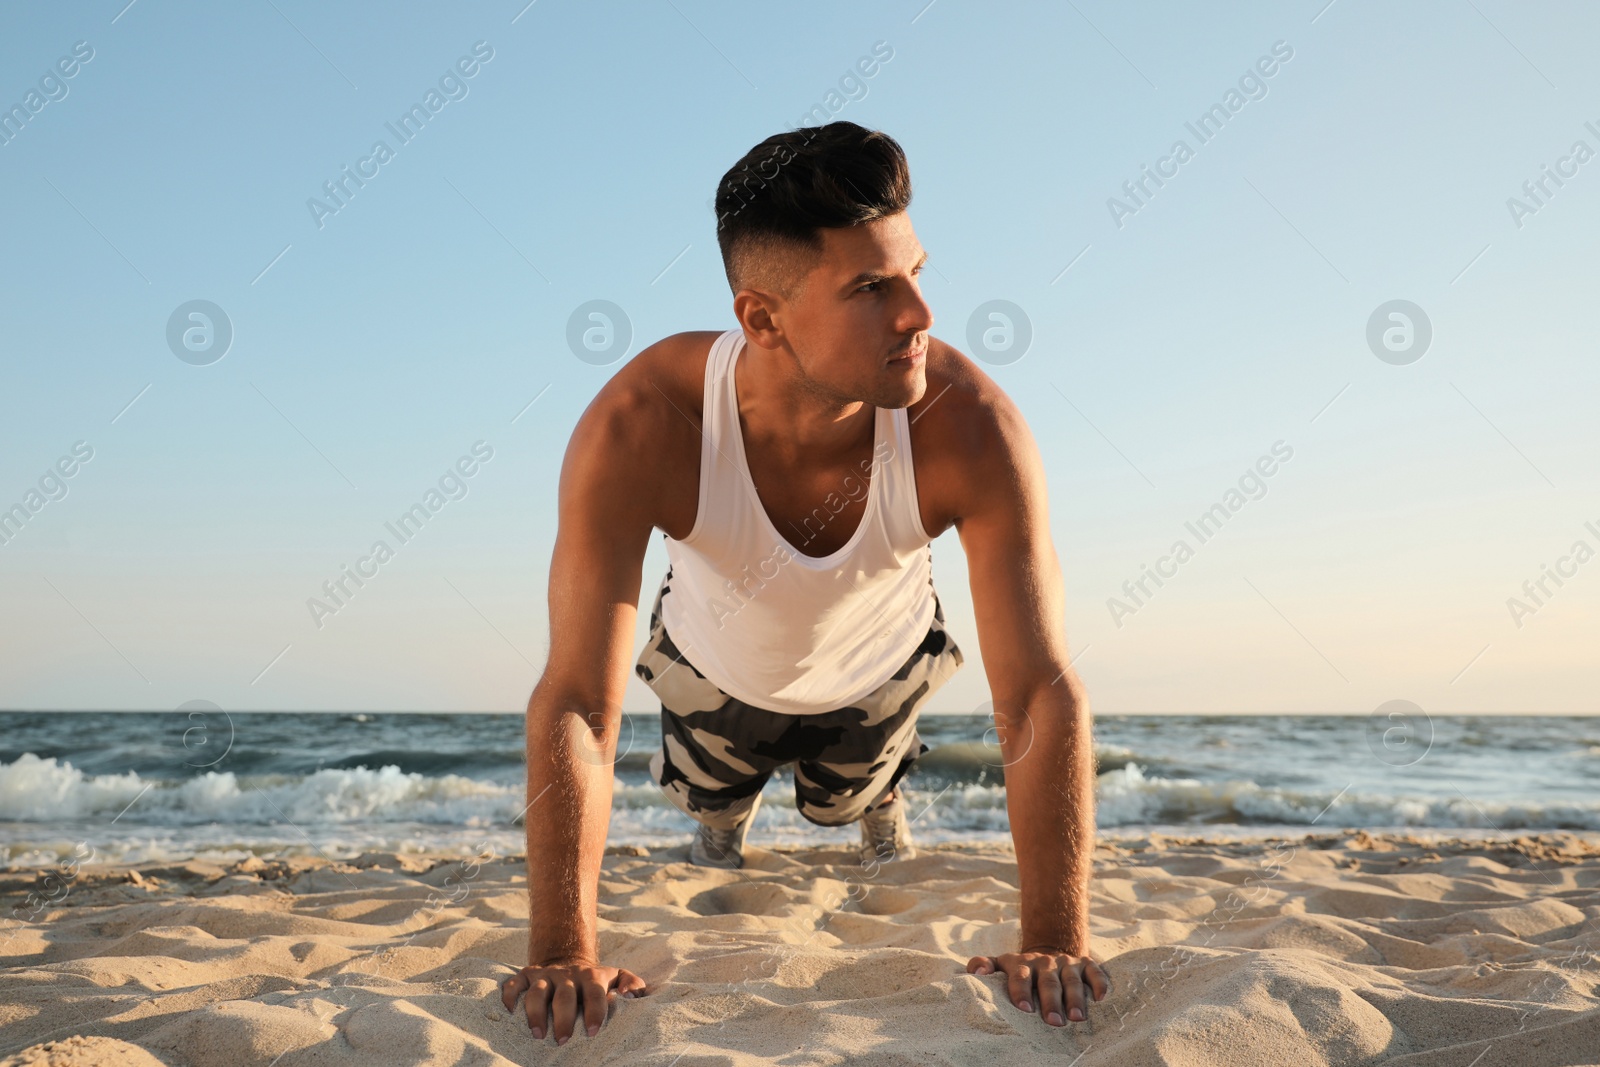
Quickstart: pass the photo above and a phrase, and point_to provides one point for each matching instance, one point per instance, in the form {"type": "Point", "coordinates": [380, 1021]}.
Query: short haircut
{"type": "Point", "coordinates": [772, 202]}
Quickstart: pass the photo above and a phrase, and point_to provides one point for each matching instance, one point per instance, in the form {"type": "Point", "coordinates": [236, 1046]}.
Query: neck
{"type": "Point", "coordinates": [789, 416]}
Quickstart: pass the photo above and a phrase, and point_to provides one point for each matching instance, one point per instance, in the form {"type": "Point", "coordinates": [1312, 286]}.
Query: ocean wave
{"type": "Point", "coordinates": [423, 762]}
{"type": "Point", "coordinates": [1126, 797]}
{"type": "Point", "coordinates": [985, 761]}
{"type": "Point", "coordinates": [952, 797]}
{"type": "Point", "coordinates": [42, 790]}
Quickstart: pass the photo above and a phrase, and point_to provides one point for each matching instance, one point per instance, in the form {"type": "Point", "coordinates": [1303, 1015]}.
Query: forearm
{"type": "Point", "coordinates": [569, 812]}
{"type": "Point", "coordinates": [1049, 779]}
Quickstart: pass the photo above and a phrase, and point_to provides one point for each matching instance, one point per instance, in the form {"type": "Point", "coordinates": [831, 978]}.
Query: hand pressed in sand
{"type": "Point", "coordinates": [1059, 975]}
{"type": "Point", "coordinates": [564, 984]}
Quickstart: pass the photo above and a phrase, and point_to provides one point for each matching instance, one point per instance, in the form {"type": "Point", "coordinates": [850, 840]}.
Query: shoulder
{"type": "Point", "coordinates": [652, 394]}
{"type": "Point", "coordinates": [969, 439]}
{"type": "Point", "coordinates": [965, 404]}
{"type": "Point", "coordinates": [640, 433]}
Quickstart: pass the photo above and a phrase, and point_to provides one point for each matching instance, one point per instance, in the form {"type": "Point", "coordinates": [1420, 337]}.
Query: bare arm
{"type": "Point", "coordinates": [575, 713]}
{"type": "Point", "coordinates": [1041, 711]}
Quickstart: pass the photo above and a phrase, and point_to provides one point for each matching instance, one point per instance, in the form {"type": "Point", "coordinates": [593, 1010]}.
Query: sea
{"type": "Point", "coordinates": [201, 782]}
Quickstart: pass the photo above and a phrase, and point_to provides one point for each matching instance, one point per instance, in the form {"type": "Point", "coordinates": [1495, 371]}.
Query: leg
{"type": "Point", "coordinates": [705, 766]}
{"type": "Point", "coordinates": [702, 776]}
{"type": "Point", "coordinates": [838, 788]}
{"type": "Point", "coordinates": [874, 742]}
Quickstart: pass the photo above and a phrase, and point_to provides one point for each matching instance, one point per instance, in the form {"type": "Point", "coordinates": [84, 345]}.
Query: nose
{"type": "Point", "coordinates": [917, 315]}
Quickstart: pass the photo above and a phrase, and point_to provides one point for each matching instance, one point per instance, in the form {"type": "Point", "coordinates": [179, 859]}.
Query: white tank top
{"type": "Point", "coordinates": [775, 628]}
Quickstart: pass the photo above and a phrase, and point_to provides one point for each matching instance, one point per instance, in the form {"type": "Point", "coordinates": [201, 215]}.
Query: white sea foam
{"type": "Point", "coordinates": [45, 803]}
{"type": "Point", "coordinates": [42, 790]}
{"type": "Point", "coordinates": [1126, 797]}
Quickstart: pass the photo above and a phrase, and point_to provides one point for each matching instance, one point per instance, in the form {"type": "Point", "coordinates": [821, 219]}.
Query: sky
{"type": "Point", "coordinates": [1432, 461]}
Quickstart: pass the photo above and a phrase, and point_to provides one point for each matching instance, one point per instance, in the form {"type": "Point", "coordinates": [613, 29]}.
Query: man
{"type": "Point", "coordinates": [797, 467]}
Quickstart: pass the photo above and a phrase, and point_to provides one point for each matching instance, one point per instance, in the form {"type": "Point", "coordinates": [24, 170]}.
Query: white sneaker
{"type": "Point", "coordinates": [885, 832]}
{"type": "Point", "coordinates": [722, 848]}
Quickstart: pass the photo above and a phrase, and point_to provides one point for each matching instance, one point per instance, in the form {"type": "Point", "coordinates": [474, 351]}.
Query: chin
{"type": "Point", "coordinates": [904, 393]}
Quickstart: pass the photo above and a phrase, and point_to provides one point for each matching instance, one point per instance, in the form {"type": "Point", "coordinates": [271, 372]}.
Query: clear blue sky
{"type": "Point", "coordinates": [1227, 313]}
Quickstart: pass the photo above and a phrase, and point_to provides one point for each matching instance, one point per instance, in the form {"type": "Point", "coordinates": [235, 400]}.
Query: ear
{"type": "Point", "coordinates": [754, 310]}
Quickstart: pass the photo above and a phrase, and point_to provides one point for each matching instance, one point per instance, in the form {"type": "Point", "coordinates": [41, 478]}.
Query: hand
{"type": "Point", "coordinates": [568, 981]}
{"type": "Point", "coordinates": [1059, 974]}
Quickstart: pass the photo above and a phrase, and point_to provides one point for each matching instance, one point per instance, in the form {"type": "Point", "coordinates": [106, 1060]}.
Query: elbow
{"type": "Point", "coordinates": [581, 720]}
{"type": "Point", "coordinates": [1058, 694]}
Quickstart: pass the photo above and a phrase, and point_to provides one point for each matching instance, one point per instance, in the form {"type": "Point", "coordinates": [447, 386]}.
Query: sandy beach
{"type": "Point", "coordinates": [1333, 948]}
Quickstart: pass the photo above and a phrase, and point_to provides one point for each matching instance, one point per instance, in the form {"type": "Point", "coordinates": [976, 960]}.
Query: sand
{"type": "Point", "coordinates": [1342, 948]}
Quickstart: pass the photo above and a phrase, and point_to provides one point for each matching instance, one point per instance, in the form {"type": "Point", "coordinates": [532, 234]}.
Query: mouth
{"type": "Point", "coordinates": [912, 357]}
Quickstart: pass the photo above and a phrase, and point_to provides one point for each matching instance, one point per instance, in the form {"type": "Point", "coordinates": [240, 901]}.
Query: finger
{"type": "Point", "coordinates": [536, 1005]}
{"type": "Point", "coordinates": [981, 965]}
{"type": "Point", "coordinates": [1020, 986]}
{"type": "Point", "coordinates": [566, 1005]}
{"type": "Point", "coordinates": [631, 985]}
{"type": "Point", "coordinates": [1077, 996]}
{"type": "Point", "coordinates": [511, 989]}
{"type": "Point", "coordinates": [1050, 1003]}
{"type": "Point", "coordinates": [1097, 978]}
{"type": "Point", "coordinates": [594, 1005]}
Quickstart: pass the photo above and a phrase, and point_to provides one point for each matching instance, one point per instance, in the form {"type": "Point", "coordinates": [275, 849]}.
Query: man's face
{"type": "Point", "coordinates": [861, 307]}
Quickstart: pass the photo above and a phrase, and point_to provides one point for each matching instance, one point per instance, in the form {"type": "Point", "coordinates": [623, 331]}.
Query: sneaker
{"type": "Point", "coordinates": [722, 848]}
{"type": "Point", "coordinates": [885, 832]}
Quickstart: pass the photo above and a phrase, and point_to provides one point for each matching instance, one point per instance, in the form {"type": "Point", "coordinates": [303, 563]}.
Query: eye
{"type": "Point", "coordinates": [873, 286]}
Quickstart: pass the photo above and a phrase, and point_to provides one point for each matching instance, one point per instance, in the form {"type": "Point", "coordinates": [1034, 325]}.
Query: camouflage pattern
{"type": "Point", "coordinates": [717, 752]}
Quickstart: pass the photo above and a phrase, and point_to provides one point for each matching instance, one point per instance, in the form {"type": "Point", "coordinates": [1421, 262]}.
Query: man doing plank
{"type": "Point", "coordinates": [798, 465]}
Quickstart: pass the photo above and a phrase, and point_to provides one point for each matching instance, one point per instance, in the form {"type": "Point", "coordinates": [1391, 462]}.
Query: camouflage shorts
{"type": "Point", "coordinates": [717, 752]}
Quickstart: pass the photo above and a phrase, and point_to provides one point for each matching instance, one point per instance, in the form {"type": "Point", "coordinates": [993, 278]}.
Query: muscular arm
{"type": "Point", "coordinates": [575, 713]}
{"type": "Point", "coordinates": [1040, 706]}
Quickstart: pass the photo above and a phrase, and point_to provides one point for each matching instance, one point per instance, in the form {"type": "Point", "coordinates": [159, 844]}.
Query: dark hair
{"type": "Point", "coordinates": [772, 202]}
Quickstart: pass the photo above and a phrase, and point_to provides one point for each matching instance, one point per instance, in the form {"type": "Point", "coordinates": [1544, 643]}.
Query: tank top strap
{"type": "Point", "coordinates": [899, 477]}
{"type": "Point", "coordinates": [719, 479]}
